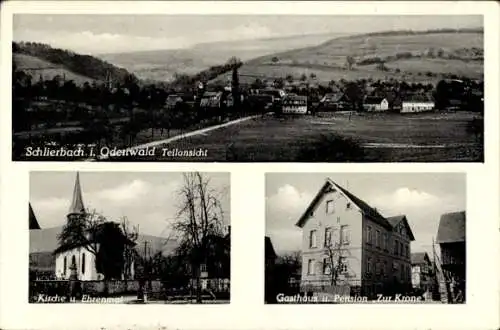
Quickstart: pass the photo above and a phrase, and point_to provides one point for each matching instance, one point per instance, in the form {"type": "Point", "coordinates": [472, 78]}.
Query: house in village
{"type": "Point", "coordinates": [422, 272]}
{"type": "Point", "coordinates": [76, 259]}
{"type": "Point", "coordinates": [375, 103]}
{"type": "Point", "coordinates": [215, 274]}
{"type": "Point", "coordinates": [370, 252]}
{"type": "Point", "coordinates": [451, 240]}
{"type": "Point", "coordinates": [334, 102]}
{"type": "Point", "coordinates": [269, 270]}
{"type": "Point", "coordinates": [416, 103]}
{"type": "Point", "coordinates": [212, 100]}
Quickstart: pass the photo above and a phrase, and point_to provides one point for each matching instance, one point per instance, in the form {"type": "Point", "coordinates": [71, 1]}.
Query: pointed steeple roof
{"type": "Point", "coordinates": [77, 206]}
{"type": "Point", "coordinates": [33, 221]}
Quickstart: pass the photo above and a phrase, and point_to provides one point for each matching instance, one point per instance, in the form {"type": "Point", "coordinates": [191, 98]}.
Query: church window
{"type": "Point", "coordinates": [64, 265]}
{"type": "Point", "coordinates": [83, 263]}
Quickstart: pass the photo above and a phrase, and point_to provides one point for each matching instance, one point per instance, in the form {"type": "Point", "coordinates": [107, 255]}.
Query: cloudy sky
{"type": "Point", "coordinates": [95, 34]}
{"type": "Point", "coordinates": [422, 197]}
{"type": "Point", "coordinates": [148, 199]}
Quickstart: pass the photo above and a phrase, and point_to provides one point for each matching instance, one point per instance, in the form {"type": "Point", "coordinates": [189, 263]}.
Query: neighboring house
{"type": "Point", "coordinates": [451, 240]}
{"type": "Point", "coordinates": [215, 274]}
{"type": "Point", "coordinates": [416, 103]}
{"type": "Point", "coordinates": [371, 253]}
{"type": "Point", "coordinates": [270, 253]}
{"type": "Point", "coordinates": [211, 100]}
{"type": "Point", "coordinates": [374, 103]}
{"type": "Point", "coordinates": [421, 271]}
{"type": "Point", "coordinates": [173, 100]}
{"type": "Point", "coordinates": [33, 220]}
{"type": "Point", "coordinates": [76, 259]}
{"type": "Point", "coordinates": [334, 102]}
{"type": "Point", "coordinates": [294, 104]}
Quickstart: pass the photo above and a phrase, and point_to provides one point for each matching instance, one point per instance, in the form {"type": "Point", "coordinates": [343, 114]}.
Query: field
{"type": "Point", "coordinates": [425, 137]}
{"type": "Point", "coordinates": [161, 65]}
{"type": "Point", "coordinates": [328, 60]}
{"type": "Point", "coordinates": [36, 67]}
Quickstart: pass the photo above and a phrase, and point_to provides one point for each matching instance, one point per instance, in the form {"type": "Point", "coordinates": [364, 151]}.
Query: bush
{"type": "Point", "coordinates": [331, 148]}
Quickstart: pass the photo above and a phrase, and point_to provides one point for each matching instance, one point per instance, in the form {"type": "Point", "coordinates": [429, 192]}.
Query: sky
{"type": "Point", "coordinates": [94, 34]}
{"type": "Point", "coordinates": [149, 200]}
{"type": "Point", "coordinates": [422, 197]}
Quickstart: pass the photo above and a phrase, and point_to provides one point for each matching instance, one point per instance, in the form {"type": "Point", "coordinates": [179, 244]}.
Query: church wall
{"type": "Point", "coordinates": [86, 273]}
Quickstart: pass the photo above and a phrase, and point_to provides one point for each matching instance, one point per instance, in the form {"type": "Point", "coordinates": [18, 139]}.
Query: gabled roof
{"type": "Point", "coordinates": [77, 206]}
{"type": "Point", "coordinates": [334, 97]}
{"type": "Point", "coordinates": [451, 228]}
{"type": "Point", "coordinates": [331, 186]}
{"type": "Point", "coordinates": [33, 221]}
{"type": "Point", "coordinates": [395, 220]}
{"type": "Point", "coordinates": [419, 258]}
{"type": "Point", "coordinates": [417, 98]}
{"type": "Point", "coordinates": [97, 237]}
{"type": "Point", "coordinates": [269, 248]}
{"type": "Point", "coordinates": [373, 100]}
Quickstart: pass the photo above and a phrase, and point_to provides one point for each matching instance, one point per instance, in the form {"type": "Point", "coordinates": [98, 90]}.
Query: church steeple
{"type": "Point", "coordinates": [77, 206]}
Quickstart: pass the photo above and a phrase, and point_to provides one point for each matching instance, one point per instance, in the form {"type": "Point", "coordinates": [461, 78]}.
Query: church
{"type": "Point", "coordinates": [66, 260]}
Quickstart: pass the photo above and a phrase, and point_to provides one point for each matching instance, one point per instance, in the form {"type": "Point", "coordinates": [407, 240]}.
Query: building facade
{"type": "Point", "coordinates": [421, 272]}
{"type": "Point", "coordinates": [347, 242]}
{"type": "Point", "coordinates": [451, 240]}
{"type": "Point", "coordinates": [372, 103]}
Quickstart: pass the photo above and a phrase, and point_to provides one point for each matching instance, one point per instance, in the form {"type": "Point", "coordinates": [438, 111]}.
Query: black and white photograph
{"type": "Point", "coordinates": [129, 238]}
{"type": "Point", "coordinates": [248, 88]}
{"type": "Point", "coordinates": [389, 238]}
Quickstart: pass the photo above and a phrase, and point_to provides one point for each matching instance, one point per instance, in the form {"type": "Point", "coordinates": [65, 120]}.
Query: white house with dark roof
{"type": "Point", "coordinates": [416, 103]}
{"type": "Point", "coordinates": [372, 252]}
{"type": "Point", "coordinates": [375, 103]}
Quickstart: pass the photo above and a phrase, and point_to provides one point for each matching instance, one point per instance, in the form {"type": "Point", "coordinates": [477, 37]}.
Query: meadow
{"type": "Point", "coordinates": [424, 137]}
{"type": "Point", "coordinates": [327, 61]}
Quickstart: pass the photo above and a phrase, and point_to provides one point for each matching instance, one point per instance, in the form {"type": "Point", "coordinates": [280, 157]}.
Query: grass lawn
{"type": "Point", "coordinates": [424, 137]}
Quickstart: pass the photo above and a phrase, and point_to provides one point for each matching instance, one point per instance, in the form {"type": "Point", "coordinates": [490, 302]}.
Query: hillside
{"type": "Point", "coordinates": [38, 58]}
{"type": "Point", "coordinates": [161, 65]}
{"type": "Point", "coordinates": [405, 55]}
{"type": "Point", "coordinates": [37, 67]}
{"type": "Point", "coordinates": [44, 241]}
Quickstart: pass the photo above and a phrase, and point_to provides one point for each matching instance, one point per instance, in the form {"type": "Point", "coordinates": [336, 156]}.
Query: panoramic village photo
{"type": "Point", "coordinates": [248, 88]}
{"type": "Point", "coordinates": [365, 238]}
{"type": "Point", "coordinates": [129, 237]}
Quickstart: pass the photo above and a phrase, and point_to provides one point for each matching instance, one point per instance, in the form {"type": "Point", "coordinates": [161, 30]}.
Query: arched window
{"type": "Point", "coordinates": [83, 263]}
{"type": "Point", "coordinates": [73, 261]}
{"type": "Point", "coordinates": [65, 265]}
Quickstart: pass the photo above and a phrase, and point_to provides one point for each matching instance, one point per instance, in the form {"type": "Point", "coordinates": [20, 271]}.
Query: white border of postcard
{"type": "Point", "coordinates": [247, 309]}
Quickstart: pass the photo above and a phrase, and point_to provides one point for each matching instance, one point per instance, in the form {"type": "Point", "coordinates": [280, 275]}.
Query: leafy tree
{"type": "Point", "coordinates": [275, 59]}
{"type": "Point", "coordinates": [103, 238]}
{"type": "Point", "coordinates": [350, 61]}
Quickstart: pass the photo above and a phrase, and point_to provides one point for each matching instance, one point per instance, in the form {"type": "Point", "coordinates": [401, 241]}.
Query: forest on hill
{"type": "Point", "coordinates": [85, 65]}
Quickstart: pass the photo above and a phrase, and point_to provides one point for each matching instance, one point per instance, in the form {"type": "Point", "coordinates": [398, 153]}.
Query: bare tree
{"type": "Point", "coordinates": [199, 219]}
{"type": "Point", "coordinates": [336, 254]}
